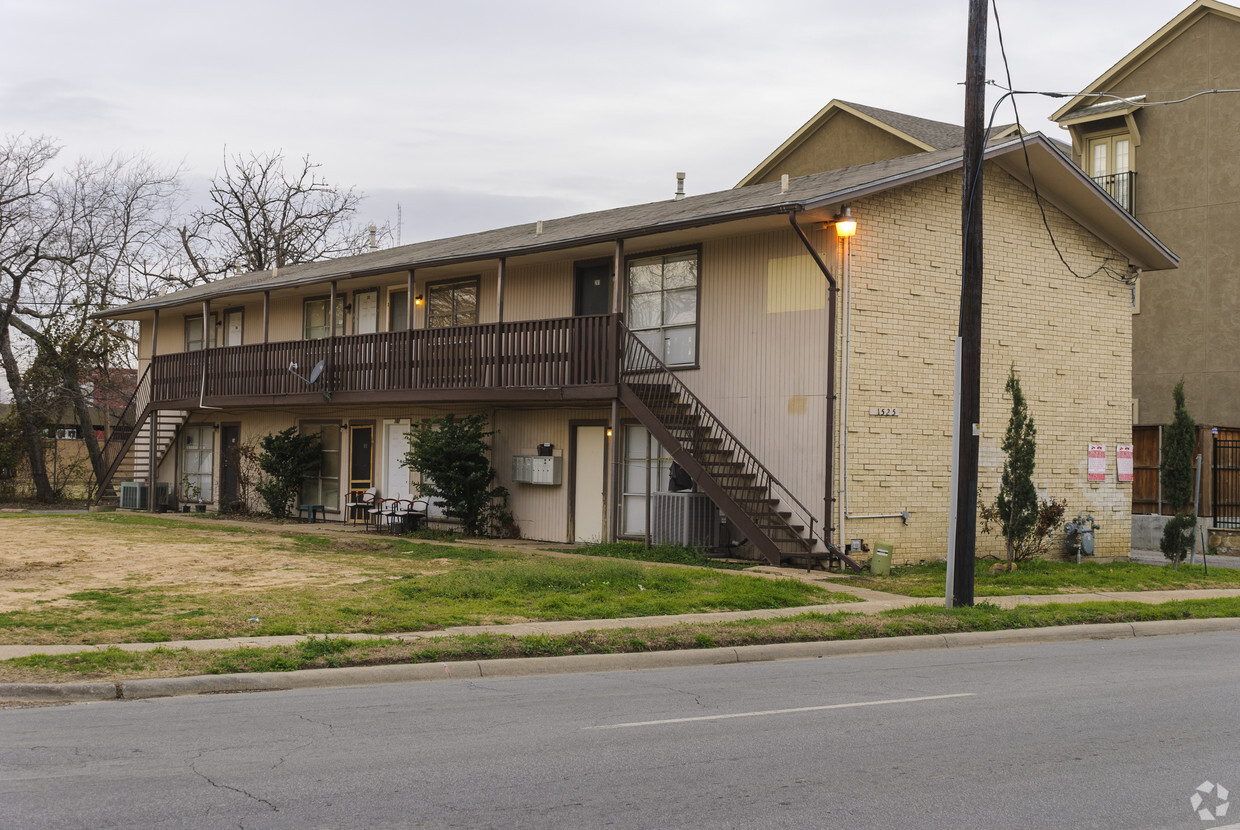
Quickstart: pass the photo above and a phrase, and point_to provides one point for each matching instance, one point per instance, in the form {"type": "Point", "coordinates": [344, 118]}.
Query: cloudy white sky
{"type": "Point", "coordinates": [479, 114]}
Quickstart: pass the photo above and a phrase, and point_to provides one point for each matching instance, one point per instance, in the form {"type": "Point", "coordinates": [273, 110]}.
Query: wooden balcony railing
{"type": "Point", "coordinates": [534, 354]}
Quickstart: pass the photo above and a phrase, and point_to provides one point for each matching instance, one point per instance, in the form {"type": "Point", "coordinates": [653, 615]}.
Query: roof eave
{"type": "Point", "coordinates": [1147, 49]}
{"type": "Point", "coordinates": [144, 306]}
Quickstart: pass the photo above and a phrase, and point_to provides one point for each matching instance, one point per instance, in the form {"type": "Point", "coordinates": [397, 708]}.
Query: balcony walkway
{"type": "Point", "coordinates": [566, 358]}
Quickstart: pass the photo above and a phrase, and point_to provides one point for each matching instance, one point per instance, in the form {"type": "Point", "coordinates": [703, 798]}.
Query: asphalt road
{"type": "Point", "coordinates": [1098, 734]}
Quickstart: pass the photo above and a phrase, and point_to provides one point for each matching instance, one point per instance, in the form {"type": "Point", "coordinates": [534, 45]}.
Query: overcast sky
{"type": "Point", "coordinates": [474, 115]}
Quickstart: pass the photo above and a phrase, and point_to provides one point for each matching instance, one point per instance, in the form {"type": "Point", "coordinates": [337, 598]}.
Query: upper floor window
{"type": "Point", "coordinates": [452, 303]}
{"type": "Point", "coordinates": [1110, 165]}
{"type": "Point", "coordinates": [315, 322]}
{"type": "Point", "coordinates": [663, 305]}
{"type": "Point", "coordinates": [193, 333]}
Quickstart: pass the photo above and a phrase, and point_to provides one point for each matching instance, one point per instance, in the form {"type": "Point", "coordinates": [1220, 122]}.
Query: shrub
{"type": "Point", "coordinates": [451, 455]}
{"type": "Point", "coordinates": [286, 459]}
{"type": "Point", "coordinates": [1176, 475]}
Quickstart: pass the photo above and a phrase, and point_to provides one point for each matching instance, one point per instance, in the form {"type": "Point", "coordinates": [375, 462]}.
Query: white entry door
{"type": "Point", "coordinates": [589, 477]}
{"type": "Point", "coordinates": [366, 312]}
{"type": "Point", "coordinates": [395, 477]}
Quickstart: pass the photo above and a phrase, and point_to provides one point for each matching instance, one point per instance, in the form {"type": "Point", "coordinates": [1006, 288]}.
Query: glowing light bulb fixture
{"type": "Point", "coordinates": [844, 223]}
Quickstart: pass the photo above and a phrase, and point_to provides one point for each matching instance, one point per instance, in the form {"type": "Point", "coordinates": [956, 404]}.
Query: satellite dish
{"type": "Point", "coordinates": [317, 371]}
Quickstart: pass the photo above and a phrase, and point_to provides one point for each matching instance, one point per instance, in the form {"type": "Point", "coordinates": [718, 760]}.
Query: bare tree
{"type": "Point", "coordinates": [30, 224]}
{"type": "Point", "coordinates": [78, 244]}
{"type": "Point", "coordinates": [263, 216]}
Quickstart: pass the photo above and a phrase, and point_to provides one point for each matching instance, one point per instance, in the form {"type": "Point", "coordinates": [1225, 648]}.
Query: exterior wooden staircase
{"type": "Point", "coordinates": [127, 452]}
{"type": "Point", "coordinates": [755, 502]}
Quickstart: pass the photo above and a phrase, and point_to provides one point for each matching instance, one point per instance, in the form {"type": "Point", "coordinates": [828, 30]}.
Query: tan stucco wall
{"type": "Point", "coordinates": [1188, 193]}
{"type": "Point", "coordinates": [844, 141]}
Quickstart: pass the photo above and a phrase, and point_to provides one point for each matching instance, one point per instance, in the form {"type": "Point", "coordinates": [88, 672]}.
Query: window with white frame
{"type": "Point", "coordinates": [641, 454]}
{"type": "Point", "coordinates": [197, 462]}
{"type": "Point", "coordinates": [663, 305]}
{"type": "Point", "coordinates": [1110, 165]}
{"type": "Point", "coordinates": [324, 488]}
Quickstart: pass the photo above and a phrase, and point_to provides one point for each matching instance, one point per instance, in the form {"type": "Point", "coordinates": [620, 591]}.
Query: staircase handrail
{"type": "Point", "coordinates": [648, 363]}
{"type": "Point", "coordinates": [123, 430]}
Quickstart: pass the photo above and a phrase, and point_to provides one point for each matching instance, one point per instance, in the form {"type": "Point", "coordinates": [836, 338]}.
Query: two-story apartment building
{"type": "Point", "coordinates": [1158, 130]}
{"type": "Point", "coordinates": [803, 377]}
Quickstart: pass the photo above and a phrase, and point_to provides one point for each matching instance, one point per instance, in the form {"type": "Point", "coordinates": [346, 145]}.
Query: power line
{"type": "Point", "coordinates": [1106, 266]}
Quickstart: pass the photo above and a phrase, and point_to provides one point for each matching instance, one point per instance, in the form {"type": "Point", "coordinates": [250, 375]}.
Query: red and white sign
{"type": "Point", "coordinates": [1123, 461]}
{"type": "Point", "coordinates": [1097, 462]}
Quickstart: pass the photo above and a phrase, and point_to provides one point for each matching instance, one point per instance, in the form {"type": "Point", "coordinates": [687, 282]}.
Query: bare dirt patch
{"type": "Point", "coordinates": [43, 559]}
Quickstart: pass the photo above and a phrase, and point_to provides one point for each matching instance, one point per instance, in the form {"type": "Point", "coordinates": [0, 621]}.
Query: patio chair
{"type": "Point", "coordinates": [384, 512]}
{"type": "Point", "coordinates": [409, 514]}
{"type": "Point", "coordinates": [360, 501]}
{"type": "Point", "coordinates": [375, 513]}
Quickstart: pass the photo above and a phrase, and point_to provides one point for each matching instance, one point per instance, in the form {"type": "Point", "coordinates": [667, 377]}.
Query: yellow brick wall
{"type": "Point", "coordinates": [1068, 338]}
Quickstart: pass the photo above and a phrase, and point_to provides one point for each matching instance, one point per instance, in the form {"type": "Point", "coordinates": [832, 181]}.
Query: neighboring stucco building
{"type": "Point", "coordinates": [714, 340]}
{"type": "Point", "coordinates": [1150, 132]}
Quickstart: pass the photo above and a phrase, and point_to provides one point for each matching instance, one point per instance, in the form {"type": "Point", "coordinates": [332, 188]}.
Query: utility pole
{"type": "Point", "coordinates": [969, 372]}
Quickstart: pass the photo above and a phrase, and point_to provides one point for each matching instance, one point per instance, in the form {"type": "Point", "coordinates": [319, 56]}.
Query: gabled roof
{"type": "Point", "coordinates": [1059, 181]}
{"type": "Point", "coordinates": [921, 134]}
{"type": "Point", "coordinates": [1152, 45]}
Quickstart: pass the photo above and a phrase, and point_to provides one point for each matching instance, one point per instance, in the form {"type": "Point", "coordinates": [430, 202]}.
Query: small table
{"type": "Point", "coordinates": [311, 510]}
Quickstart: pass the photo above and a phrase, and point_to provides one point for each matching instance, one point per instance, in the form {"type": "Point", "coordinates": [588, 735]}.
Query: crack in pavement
{"type": "Point", "coordinates": [217, 785]}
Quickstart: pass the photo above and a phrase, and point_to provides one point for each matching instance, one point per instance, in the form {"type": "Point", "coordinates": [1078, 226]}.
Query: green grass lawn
{"type": "Point", "coordinates": [407, 585]}
{"type": "Point", "coordinates": [327, 652]}
{"type": "Point", "coordinates": [669, 554]}
{"type": "Point", "coordinates": [1041, 577]}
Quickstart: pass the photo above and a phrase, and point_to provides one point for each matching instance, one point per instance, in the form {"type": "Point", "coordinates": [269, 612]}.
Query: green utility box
{"type": "Point", "coordinates": [880, 562]}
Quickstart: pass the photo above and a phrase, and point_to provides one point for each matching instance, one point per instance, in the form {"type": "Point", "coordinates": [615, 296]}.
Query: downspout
{"type": "Point", "coordinates": [206, 355]}
{"type": "Point", "coordinates": [829, 465]}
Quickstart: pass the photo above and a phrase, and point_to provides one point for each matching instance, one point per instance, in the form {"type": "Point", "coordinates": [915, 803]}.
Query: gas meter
{"type": "Point", "coordinates": [1081, 534]}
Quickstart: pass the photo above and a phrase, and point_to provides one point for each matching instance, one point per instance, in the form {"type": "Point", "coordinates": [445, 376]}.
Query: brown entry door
{"type": "Point", "coordinates": [361, 456]}
{"type": "Point", "coordinates": [230, 461]}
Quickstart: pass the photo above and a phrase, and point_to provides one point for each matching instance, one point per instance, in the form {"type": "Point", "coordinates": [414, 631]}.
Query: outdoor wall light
{"type": "Point", "coordinates": [845, 225]}
{"type": "Point", "coordinates": [417, 300]}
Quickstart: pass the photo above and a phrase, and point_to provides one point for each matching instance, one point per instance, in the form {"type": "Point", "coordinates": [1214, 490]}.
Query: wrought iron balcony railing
{"type": "Point", "coordinates": [1119, 186]}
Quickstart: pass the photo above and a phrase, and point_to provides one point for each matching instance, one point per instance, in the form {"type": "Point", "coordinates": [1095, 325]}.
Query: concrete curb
{"type": "Point", "coordinates": [542, 666]}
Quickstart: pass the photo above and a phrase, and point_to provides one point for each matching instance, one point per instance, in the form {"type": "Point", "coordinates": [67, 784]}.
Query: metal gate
{"type": "Point", "coordinates": [1226, 483]}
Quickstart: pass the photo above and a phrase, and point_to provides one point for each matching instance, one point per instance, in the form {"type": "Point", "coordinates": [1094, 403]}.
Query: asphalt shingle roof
{"type": "Point", "coordinates": [803, 193]}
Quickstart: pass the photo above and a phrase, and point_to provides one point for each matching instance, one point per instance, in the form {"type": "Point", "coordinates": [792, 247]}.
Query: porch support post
{"type": "Point", "coordinates": [152, 425]}
{"type": "Point", "coordinates": [613, 442]}
{"type": "Point", "coordinates": [499, 378]}
{"type": "Point", "coordinates": [499, 289]}
{"type": "Point", "coordinates": [410, 305]}
{"type": "Point", "coordinates": [617, 278]}
{"type": "Point", "coordinates": [266, 316]}
{"type": "Point", "coordinates": [613, 480]}
{"type": "Point", "coordinates": [331, 341]}
{"type": "Point", "coordinates": [107, 427]}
